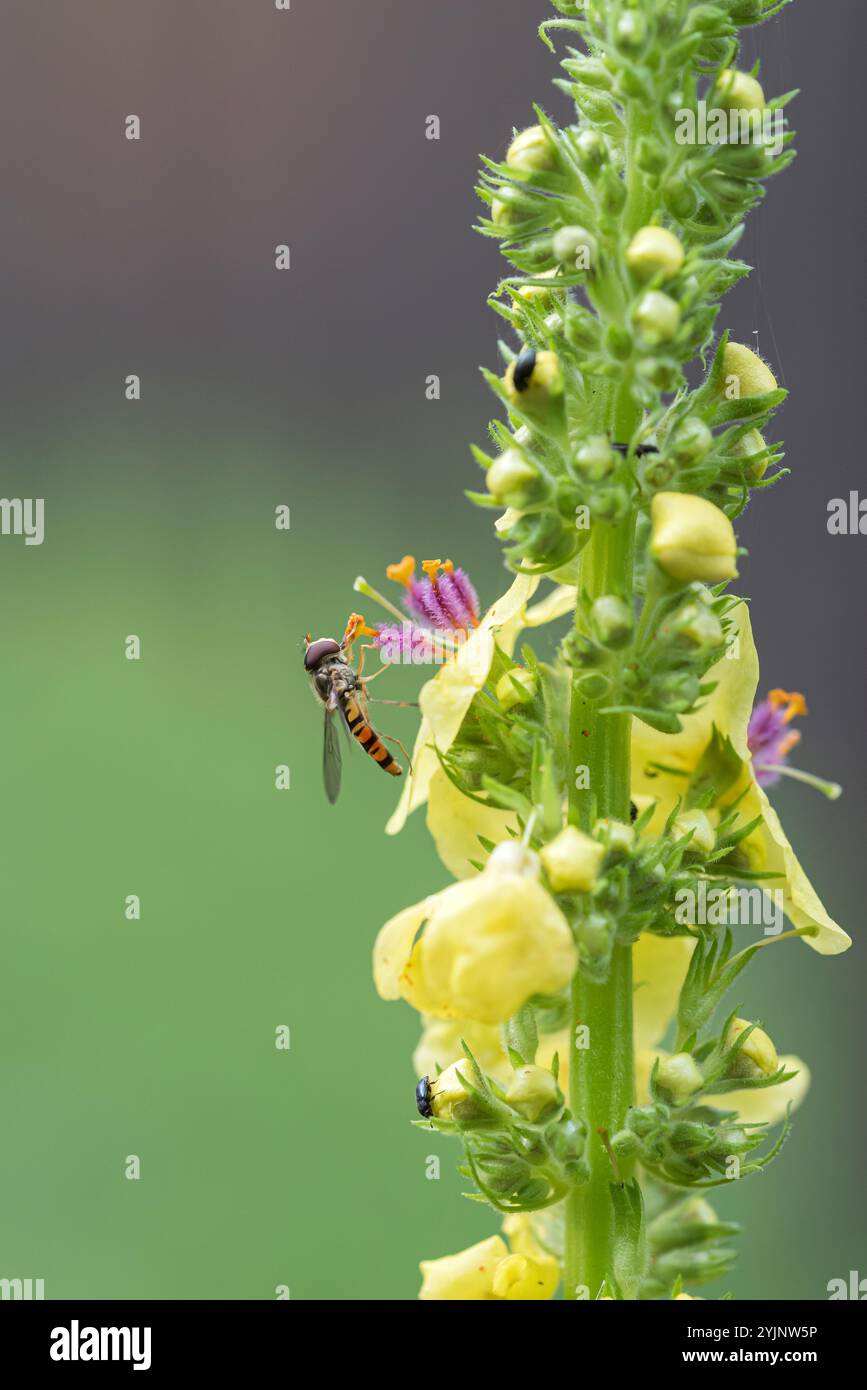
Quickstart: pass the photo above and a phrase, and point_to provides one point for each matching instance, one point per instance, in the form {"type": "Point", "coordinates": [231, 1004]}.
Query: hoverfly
{"type": "Point", "coordinates": [342, 693]}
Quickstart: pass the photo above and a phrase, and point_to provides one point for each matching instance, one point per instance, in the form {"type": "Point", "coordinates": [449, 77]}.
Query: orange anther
{"type": "Point", "coordinates": [792, 702]}
{"type": "Point", "coordinates": [448, 567]}
{"type": "Point", "coordinates": [356, 626]}
{"type": "Point", "coordinates": [403, 572]}
{"type": "Point", "coordinates": [432, 569]}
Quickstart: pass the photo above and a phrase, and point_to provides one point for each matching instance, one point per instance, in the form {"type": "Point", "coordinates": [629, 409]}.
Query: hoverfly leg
{"type": "Point", "coordinates": [386, 665]}
{"type": "Point", "coordinates": [391, 738]}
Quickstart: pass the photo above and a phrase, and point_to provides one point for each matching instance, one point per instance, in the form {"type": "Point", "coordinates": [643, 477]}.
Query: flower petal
{"type": "Point", "coordinates": [491, 942]}
{"type": "Point", "coordinates": [440, 1045]}
{"type": "Point", "coordinates": [456, 821]}
{"type": "Point", "coordinates": [556, 604]}
{"type": "Point", "coordinates": [393, 949]}
{"type": "Point", "coordinates": [468, 1275]}
{"type": "Point", "coordinates": [801, 902]}
{"type": "Point", "coordinates": [659, 966]}
{"type": "Point", "coordinates": [730, 707]}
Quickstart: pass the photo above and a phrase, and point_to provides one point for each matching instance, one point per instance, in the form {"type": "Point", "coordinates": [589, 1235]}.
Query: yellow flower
{"type": "Point", "coordinates": [659, 966]}
{"type": "Point", "coordinates": [691, 539]}
{"type": "Point", "coordinates": [525, 1277]}
{"type": "Point", "coordinates": [729, 708]}
{"type": "Point", "coordinates": [440, 1046]}
{"type": "Point", "coordinates": [468, 1275]}
{"type": "Point", "coordinates": [446, 699]}
{"type": "Point", "coordinates": [456, 821]}
{"type": "Point", "coordinates": [488, 944]}
{"type": "Point", "coordinates": [490, 1272]}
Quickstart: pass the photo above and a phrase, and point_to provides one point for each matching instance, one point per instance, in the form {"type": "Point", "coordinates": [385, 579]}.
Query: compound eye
{"type": "Point", "coordinates": [317, 651]}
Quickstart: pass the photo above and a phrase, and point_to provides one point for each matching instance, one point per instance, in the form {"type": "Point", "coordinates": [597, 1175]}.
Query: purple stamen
{"type": "Point", "coordinates": [453, 596]}
{"type": "Point", "coordinates": [770, 739]}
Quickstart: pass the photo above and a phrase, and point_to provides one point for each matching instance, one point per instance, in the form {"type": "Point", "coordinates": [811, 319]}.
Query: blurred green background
{"type": "Point", "coordinates": [260, 1167]}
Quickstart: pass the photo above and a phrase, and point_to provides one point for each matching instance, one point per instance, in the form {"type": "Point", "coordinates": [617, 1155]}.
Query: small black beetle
{"type": "Point", "coordinates": [424, 1098]}
{"type": "Point", "coordinates": [524, 369]}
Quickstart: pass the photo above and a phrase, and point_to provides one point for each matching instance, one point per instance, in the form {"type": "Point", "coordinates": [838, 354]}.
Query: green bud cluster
{"type": "Point", "coordinates": [693, 1147]}
{"type": "Point", "coordinates": [523, 1148]}
{"type": "Point", "coordinates": [686, 1242]}
{"type": "Point", "coordinates": [654, 670]}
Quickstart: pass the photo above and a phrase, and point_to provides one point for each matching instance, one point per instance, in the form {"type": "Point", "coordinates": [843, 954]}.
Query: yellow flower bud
{"type": "Point", "coordinates": [533, 1091]}
{"type": "Point", "coordinates": [691, 539]}
{"type": "Point", "coordinates": [655, 251]}
{"type": "Point", "coordinates": [697, 824]}
{"type": "Point", "coordinates": [617, 836]}
{"type": "Point", "coordinates": [526, 1277]}
{"type": "Point", "coordinates": [531, 151]}
{"type": "Point", "coordinates": [510, 857]}
{"type": "Point", "coordinates": [679, 1075]}
{"type": "Point", "coordinates": [737, 91]}
{"type": "Point", "coordinates": [744, 374]}
{"type": "Point", "coordinates": [752, 443]}
{"type": "Point", "coordinates": [575, 249]}
{"type": "Point", "coordinates": [505, 210]}
{"type": "Point", "coordinates": [657, 317]}
{"type": "Point", "coordinates": [758, 1056]}
{"type": "Point", "coordinates": [539, 292]}
{"type": "Point", "coordinates": [510, 474]}
{"type": "Point", "coordinates": [468, 1275]}
{"type": "Point", "coordinates": [533, 380]}
{"type": "Point", "coordinates": [572, 861]}
{"type": "Point", "coordinates": [506, 693]}
{"type": "Point", "coordinates": [447, 1091]}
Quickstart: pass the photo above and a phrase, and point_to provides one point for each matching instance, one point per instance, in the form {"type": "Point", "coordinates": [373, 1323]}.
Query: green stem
{"type": "Point", "coordinates": [601, 1074]}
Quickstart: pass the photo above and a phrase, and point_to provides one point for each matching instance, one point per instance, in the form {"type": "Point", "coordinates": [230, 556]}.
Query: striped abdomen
{"type": "Point", "coordinates": [368, 737]}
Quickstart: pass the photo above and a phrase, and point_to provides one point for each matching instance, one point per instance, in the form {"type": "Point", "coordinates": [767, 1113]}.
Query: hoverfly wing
{"type": "Point", "coordinates": [332, 759]}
